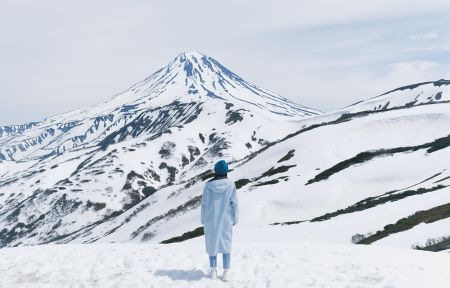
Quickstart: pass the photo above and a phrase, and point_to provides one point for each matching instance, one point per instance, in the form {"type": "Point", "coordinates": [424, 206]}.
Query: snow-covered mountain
{"type": "Point", "coordinates": [132, 169]}
{"type": "Point", "coordinates": [172, 96]}
{"type": "Point", "coordinates": [73, 171]}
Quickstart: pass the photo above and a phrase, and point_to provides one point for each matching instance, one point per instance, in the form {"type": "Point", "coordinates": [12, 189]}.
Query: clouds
{"type": "Point", "coordinates": [330, 66]}
{"type": "Point", "coordinates": [404, 72]}
{"type": "Point", "coordinates": [353, 85]}
{"type": "Point", "coordinates": [57, 56]}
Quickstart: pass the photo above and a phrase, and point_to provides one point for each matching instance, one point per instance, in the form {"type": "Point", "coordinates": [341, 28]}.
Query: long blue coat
{"type": "Point", "coordinates": [219, 214]}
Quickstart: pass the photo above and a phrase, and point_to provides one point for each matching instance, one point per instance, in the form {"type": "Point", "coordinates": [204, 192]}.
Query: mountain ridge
{"type": "Point", "coordinates": [405, 96]}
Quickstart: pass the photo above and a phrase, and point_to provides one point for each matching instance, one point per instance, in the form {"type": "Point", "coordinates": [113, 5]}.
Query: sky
{"type": "Point", "coordinates": [57, 56]}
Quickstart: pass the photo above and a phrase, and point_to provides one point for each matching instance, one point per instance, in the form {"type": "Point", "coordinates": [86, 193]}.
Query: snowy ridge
{"type": "Point", "coordinates": [406, 96]}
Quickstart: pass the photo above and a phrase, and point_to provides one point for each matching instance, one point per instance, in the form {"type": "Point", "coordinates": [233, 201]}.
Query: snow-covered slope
{"type": "Point", "coordinates": [325, 183]}
{"type": "Point", "coordinates": [254, 264]}
{"type": "Point", "coordinates": [406, 96]}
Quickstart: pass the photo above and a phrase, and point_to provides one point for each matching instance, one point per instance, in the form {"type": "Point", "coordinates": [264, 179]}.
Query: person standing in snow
{"type": "Point", "coordinates": [219, 213]}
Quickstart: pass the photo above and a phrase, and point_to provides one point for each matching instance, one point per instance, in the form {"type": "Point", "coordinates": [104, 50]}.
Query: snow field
{"type": "Point", "coordinates": [270, 264]}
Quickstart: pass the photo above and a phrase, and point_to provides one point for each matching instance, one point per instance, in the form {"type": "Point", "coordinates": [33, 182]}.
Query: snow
{"type": "Point", "coordinates": [340, 229]}
{"type": "Point", "coordinates": [254, 264]}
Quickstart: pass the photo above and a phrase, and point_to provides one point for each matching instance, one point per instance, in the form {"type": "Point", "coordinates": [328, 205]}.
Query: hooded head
{"type": "Point", "coordinates": [221, 168]}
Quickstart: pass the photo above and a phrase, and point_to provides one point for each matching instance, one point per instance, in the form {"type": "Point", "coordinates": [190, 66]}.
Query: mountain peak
{"type": "Point", "coordinates": [187, 61]}
{"type": "Point", "coordinates": [195, 76]}
{"type": "Point", "coordinates": [191, 63]}
{"type": "Point", "coordinates": [190, 55]}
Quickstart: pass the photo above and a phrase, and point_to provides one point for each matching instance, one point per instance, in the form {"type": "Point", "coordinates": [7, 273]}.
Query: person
{"type": "Point", "coordinates": [219, 213]}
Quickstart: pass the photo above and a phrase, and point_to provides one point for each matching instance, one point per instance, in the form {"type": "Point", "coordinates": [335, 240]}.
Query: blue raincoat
{"type": "Point", "coordinates": [219, 214]}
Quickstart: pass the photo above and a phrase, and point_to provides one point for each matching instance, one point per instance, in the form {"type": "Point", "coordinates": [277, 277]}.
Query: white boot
{"type": "Point", "coordinates": [226, 275]}
{"type": "Point", "coordinates": [213, 274]}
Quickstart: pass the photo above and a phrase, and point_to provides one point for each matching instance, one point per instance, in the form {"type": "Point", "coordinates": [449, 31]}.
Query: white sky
{"type": "Point", "coordinates": [57, 56]}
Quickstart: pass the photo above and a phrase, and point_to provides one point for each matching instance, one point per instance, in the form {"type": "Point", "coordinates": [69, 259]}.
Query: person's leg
{"type": "Point", "coordinates": [213, 265]}
{"type": "Point", "coordinates": [213, 261]}
{"type": "Point", "coordinates": [226, 266]}
{"type": "Point", "coordinates": [226, 260]}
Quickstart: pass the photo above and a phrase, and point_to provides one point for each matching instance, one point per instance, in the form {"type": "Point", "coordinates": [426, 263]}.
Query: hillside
{"type": "Point", "coordinates": [406, 96]}
{"type": "Point", "coordinates": [325, 183]}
